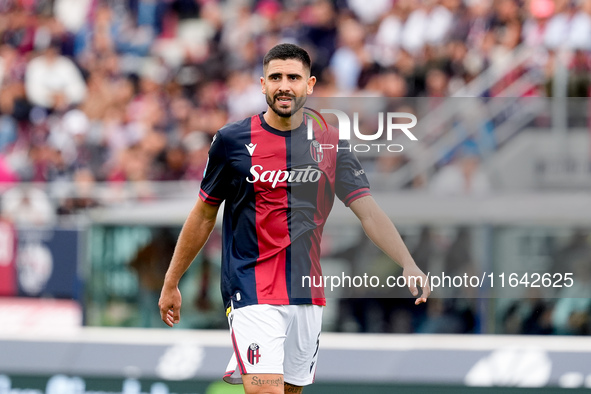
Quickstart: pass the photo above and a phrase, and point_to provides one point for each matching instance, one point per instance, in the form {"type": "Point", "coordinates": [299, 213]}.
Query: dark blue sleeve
{"type": "Point", "coordinates": [216, 182]}
{"type": "Point", "coordinates": [351, 181]}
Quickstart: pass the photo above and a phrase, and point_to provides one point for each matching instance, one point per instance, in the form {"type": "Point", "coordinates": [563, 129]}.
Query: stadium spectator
{"type": "Point", "coordinates": [53, 81]}
{"type": "Point", "coordinates": [13, 101]}
{"type": "Point", "coordinates": [351, 57]}
{"type": "Point", "coordinates": [243, 95]}
{"type": "Point", "coordinates": [28, 206]}
{"type": "Point", "coordinates": [570, 315]}
{"type": "Point", "coordinates": [72, 14]}
{"type": "Point", "coordinates": [441, 319]}
{"type": "Point", "coordinates": [464, 177]}
{"type": "Point", "coordinates": [197, 147]}
{"type": "Point", "coordinates": [150, 264]}
{"type": "Point", "coordinates": [7, 176]}
{"type": "Point", "coordinates": [83, 194]}
{"type": "Point", "coordinates": [317, 31]}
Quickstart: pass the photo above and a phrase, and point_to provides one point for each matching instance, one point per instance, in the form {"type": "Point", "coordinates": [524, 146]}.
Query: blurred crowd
{"type": "Point", "coordinates": [133, 90]}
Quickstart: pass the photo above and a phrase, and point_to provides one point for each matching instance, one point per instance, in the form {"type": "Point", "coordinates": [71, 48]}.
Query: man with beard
{"type": "Point", "coordinates": [278, 188]}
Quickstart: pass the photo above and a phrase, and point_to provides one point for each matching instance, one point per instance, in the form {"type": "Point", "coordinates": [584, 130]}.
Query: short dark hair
{"type": "Point", "coordinates": [288, 51]}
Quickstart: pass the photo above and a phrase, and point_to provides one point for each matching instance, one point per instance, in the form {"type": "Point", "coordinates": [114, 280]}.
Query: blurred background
{"type": "Point", "coordinates": [107, 110]}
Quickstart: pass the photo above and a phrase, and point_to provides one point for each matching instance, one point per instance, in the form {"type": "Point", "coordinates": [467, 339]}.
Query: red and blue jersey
{"type": "Point", "coordinates": [278, 188]}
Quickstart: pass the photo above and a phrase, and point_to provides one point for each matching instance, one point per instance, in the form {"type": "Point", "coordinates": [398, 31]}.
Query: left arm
{"type": "Point", "coordinates": [380, 229]}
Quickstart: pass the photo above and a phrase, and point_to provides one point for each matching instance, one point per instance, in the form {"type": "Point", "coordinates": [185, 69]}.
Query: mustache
{"type": "Point", "coordinates": [291, 96]}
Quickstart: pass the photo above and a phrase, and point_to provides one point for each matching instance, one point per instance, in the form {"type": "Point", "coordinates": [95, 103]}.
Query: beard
{"type": "Point", "coordinates": [296, 104]}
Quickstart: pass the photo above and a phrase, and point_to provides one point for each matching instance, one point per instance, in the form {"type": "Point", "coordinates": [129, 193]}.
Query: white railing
{"type": "Point", "coordinates": [507, 109]}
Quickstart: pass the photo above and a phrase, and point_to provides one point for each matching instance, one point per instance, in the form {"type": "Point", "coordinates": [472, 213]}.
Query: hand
{"type": "Point", "coordinates": [170, 305]}
{"type": "Point", "coordinates": [413, 277]}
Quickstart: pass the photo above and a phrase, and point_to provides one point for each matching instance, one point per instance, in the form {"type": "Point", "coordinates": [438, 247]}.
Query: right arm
{"type": "Point", "coordinates": [194, 234]}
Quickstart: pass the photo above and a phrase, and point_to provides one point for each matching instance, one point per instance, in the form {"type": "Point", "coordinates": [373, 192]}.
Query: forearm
{"type": "Point", "coordinates": [193, 236]}
{"type": "Point", "coordinates": [380, 229]}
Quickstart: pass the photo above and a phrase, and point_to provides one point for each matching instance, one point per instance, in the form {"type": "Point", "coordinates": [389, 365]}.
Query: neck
{"type": "Point", "coordinates": [283, 124]}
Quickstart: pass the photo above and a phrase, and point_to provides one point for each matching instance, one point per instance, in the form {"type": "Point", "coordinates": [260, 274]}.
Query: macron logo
{"type": "Point", "coordinates": [250, 147]}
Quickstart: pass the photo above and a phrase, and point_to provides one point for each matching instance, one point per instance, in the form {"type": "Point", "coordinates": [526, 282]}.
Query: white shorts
{"type": "Point", "coordinates": [278, 339]}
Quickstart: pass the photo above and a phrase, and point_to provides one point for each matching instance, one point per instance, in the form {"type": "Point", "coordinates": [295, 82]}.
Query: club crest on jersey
{"type": "Point", "coordinates": [316, 151]}
{"type": "Point", "coordinates": [254, 353]}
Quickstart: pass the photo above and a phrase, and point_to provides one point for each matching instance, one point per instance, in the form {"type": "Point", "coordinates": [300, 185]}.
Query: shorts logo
{"type": "Point", "coordinates": [316, 151]}
{"type": "Point", "coordinates": [253, 354]}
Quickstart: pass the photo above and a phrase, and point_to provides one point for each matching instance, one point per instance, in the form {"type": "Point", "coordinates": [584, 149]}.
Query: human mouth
{"type": "Point", "coordinates": [284, 100]}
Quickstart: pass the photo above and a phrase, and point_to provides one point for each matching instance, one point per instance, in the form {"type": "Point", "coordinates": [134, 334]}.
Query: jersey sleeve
{"type": "Point", "coordinates": [216, 181]}
{"type": "Point", "coordinates": [351, 181]}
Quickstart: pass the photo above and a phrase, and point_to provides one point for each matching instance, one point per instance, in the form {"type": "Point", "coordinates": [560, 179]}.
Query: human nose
{"type": "Point", "coordinates": [285, 85]}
